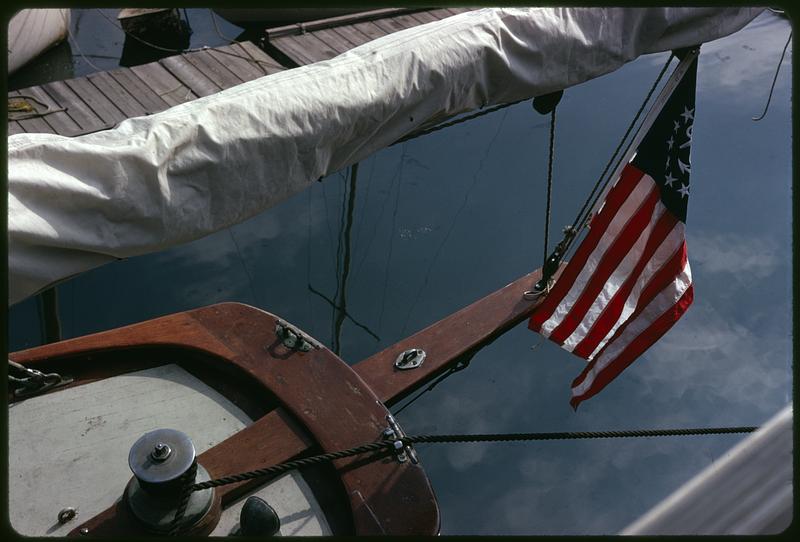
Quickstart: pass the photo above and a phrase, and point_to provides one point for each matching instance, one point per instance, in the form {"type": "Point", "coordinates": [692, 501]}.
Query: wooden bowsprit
{"type": "Point", "coordinates": [300, 400]}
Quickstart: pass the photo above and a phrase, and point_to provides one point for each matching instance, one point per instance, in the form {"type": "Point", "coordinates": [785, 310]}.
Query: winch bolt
{"type": "Point", "coordinates": [160, 452]}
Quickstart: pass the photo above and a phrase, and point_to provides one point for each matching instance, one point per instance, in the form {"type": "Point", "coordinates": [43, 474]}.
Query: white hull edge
{"type": "Point", "coordinates": [33, 31]}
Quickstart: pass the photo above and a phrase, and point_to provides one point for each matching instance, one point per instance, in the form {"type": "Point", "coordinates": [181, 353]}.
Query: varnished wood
{"type": "Point", "coordinates": [448, 339]}
{"type": "Point", "coordinates": [319, 390]}
{"type": "Point", "coordinates": [246, 336]}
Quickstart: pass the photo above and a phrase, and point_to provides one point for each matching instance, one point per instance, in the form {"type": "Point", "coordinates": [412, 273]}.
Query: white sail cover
{"type": "Point", "coordinates": [166, 179]}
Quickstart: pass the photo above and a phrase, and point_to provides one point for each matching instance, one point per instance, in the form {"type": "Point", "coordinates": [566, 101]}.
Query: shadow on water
{"type": "Point", "coordinates": [53, 65]}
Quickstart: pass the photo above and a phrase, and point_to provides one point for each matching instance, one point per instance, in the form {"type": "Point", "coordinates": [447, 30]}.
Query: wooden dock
{"type": "Point", "coordinates": [313, 41]}
{"type": "Point", "coordinates": [101, 100]}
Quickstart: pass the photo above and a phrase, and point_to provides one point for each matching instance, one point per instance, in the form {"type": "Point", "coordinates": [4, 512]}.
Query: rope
{"type": "Point", "coordinates": [186, 493]}
{"type": "Point", "coordinates": [461, 365]}
{"type": "Point", "coordinates": [400, 443]}
{"type": "Point", "coordinates": [296, 464]}
{"type": "Point", "coordinates": [20, 109]}
{"type": "Point", "coordinates": [774, 79]}
{"type": "Point", "coordinates": [231, 40]}
{"type": "Point", "coordinates": [549, 184]}
{"type": "Point", "coordinates": [74, 42]}
{"type": "Point", "coordinates": [514, 437]}
{"type": "Point", "coordinates": [583, 214]}
{"type": "Point", "coordinates": [385, 445]}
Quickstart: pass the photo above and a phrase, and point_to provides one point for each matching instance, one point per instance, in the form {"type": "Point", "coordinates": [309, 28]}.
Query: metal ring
{"type": "Point", "coordinates": [530, 295]}
{"type": "Point", "coordinates": [67, 515]}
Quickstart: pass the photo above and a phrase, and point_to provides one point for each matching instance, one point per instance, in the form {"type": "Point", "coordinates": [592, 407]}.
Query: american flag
{"type": "Point", "coordinates": [629, 280]}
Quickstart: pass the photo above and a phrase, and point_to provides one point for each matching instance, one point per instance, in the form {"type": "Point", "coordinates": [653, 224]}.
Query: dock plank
{"type": "Point", "coordinates": [95, 99]}
{"type": "Point", "coordinates": [370, 29]}
{"type": "Point", "coordinates": [165, 85]}
{"type": "Point", "coordinates": [351, 34]}
{"type": "Point", "coordinates": [390, 25]}
{"type": "Point", "coordinates": [317, 47]}
{"type": "Point", "coordinates": [261, 58]}
{"type": "Point", "coordinates": [151, 101]}
{"type": "Point", "coordinates": [117, 94]}
{"type": "Point", "coordinates": [336, 41]}
{"type": "Point", "coordinates": [190, 76]}
{"type": "Point", "coordinates": [14, 127]}
{"type": "Point", "coordinates": [35, 124]}
{"type": "Point", "coordinates": [77, 109]}
{"type": "Point", "coordinates": [101, 100]}
{"type": "Point", "coordinates": [59, 121]}
{"type": "Point", "coordinates": [440, 13]}
{"type": "Point", "coordinates": [235, 59]}
{"type": "Point", "coordinates": [213, 69]}
{"type": "Point", "coordinates": [456, 11]}
{"type": "Point", "coordinates": [406, 21]}
{"type": "Point", "coordinates": [423, 17]}
{"type": "Point", "coordinates": [294, 50]}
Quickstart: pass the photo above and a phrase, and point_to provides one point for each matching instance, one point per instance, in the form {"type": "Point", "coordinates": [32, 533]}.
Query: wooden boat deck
{"type": "Point", "coordinates": [101, 100]}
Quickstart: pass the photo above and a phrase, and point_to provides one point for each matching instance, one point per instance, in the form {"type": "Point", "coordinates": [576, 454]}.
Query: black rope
{"type": "Point", "coordinates": [583, 214]}
{"type": "Point", "coordinates": [186, 493]}
{"type": "Point", "coordinates": [462, 364]}
{"type": "Point", "coordinates": [385, 445]}
{"type": "Point", "coordinates": [513, 437]}
{"type": "Point", "coordinates": [774, 79]}
{"type": "Point", "coordinates": [549, 184]}
{"type": "Point", "coordinates": [396, 444]}
{"type": "Point", "coordinates": [296, 464]}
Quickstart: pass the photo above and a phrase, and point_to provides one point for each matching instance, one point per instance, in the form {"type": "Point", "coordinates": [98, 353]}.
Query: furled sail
{"type": "Point", "coordinates": [169, 178]}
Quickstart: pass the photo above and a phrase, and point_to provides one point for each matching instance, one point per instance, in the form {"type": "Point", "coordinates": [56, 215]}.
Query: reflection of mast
{"type": "Point", "coordinates": [48, 312]}
{"type": "Point", "coordinates": [345, 265]}
{"type": "Point", "coordinates": [339, 303]}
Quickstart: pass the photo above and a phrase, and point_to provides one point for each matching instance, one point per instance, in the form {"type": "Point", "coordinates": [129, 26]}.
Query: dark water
{"type": "Point", "coordinates": [440, 221]}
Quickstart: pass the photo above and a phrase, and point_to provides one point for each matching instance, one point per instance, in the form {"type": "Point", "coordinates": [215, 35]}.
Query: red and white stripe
{"type": "Point", "coordinates": [627, 283]}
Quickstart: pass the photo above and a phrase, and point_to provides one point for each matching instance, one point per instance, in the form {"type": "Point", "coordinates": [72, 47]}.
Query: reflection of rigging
{"type": "Point", "coordinates": [453, 222]}
{"type": "Point", "coordinates": [343, 255]}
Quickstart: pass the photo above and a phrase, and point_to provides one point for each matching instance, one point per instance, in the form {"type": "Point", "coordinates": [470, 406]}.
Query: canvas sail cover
{"type": "Point", "coordinates": [172, 177]}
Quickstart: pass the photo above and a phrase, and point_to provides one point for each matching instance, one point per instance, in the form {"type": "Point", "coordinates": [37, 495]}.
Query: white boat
{"type": "Point", "coordinates": [33, 31]}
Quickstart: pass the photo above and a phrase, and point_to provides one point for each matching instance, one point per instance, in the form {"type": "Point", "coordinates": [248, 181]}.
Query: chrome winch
{"type": "Point", "coordinates": [162, 462]}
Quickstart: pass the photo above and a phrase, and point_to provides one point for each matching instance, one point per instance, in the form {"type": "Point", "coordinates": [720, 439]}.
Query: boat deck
{"type": "Point", "coordinates": [101, 100]}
